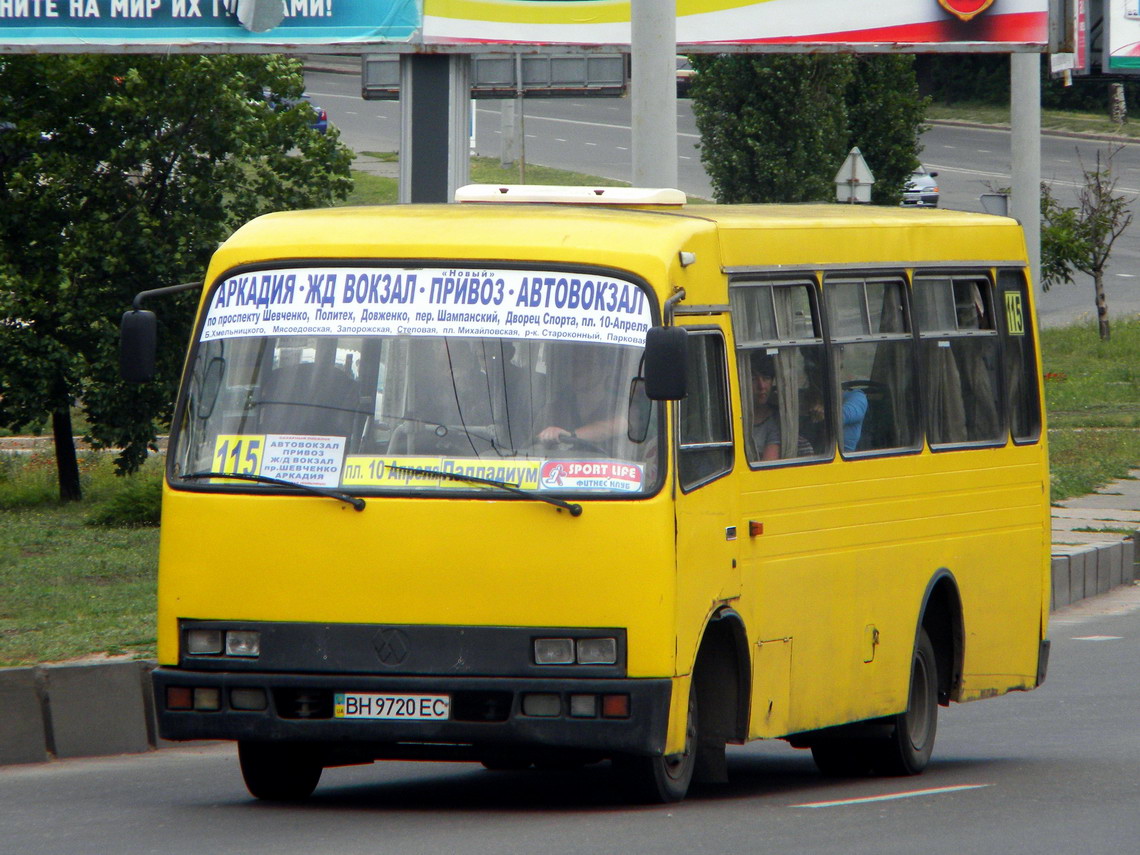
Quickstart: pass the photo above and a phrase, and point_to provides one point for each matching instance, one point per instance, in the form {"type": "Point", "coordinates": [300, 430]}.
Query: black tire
{"type": "Point", "coordinates": [278, 772]}
{"type": "Point", "coordinates": [907, 751]}
{"type": "Point", "coordinates": [664, 779]}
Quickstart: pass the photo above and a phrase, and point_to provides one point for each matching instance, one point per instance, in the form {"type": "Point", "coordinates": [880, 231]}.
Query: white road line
{"type": "Point", "coordinates": [1098, 638]}
{"type": "Point", "coordinates": [912, 794]}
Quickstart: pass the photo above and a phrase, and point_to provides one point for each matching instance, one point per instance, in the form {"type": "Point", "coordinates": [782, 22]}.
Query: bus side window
{"type": "Point", "coordinates": [782, 362]}
{"type": "Point", "coordinates": [959, 350]}
{"type": "Point", "coordinates": [704, 425]}
{"type": "Point", "coordinates": [1019, 363]}
{"type": "Point", "coordinates": [872, 352]}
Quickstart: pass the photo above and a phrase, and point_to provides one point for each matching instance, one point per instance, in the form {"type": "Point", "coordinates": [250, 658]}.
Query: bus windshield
{"type": "Point", "coordinates": [377, 398]}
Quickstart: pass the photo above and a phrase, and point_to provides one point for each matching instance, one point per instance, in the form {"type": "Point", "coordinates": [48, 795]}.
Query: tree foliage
{"type": "Point", "coordinates": [777, 128]}
{"type": "Point", "coordinates": [120, 174]}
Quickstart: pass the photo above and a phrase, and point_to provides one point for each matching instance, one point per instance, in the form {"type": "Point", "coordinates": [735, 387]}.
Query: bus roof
{"type": "Point", "coordinates": [646, 240]}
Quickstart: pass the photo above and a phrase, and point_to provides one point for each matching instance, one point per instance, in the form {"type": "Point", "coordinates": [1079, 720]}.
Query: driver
{"type": "Point", "coordinates": [585, 407]}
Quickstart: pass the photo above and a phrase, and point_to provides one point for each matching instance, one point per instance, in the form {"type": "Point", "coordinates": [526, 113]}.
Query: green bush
{"type": "Point", "coordinates": [138, 502]}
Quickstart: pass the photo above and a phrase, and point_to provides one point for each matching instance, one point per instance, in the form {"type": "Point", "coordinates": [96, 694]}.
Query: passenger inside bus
{"type": "Point", "coordinates": [765, 430]}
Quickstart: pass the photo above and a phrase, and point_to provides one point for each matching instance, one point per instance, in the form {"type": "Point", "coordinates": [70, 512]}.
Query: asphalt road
{"type": "Point", "coordinates": [593, 136]}
{"type": "Point", "coordinates": [1051, 772]}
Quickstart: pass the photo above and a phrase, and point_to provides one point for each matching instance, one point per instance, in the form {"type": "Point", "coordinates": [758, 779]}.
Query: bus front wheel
{"type": "Point", "coordinates": [278, 772]}
{"type": "Point", "coordinates": [664, 778]}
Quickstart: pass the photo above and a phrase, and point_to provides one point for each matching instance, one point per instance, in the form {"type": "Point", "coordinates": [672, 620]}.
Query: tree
{"type": "Point", "coordinates": [120, 174]}
{"type": "Point", "coordinates": [1081, 238]}
{"type": "Point", "coordinates": [777, 128]}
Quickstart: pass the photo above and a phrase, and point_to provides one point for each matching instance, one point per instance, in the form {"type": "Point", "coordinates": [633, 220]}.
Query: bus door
{"type": "Point", "coordinates": [708, 571]}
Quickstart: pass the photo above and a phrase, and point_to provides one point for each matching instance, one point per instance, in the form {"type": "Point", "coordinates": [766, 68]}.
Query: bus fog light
{"type": "Point", "coordinates": [207, 700]}
{"type": "Point", "coordinates": [597, 651]}
{"type": "Point", "coordinates": [243, 643]}
{"type": "Point", "coordinates": [203, 642]}
{"type": "Point", "coordinates": [615, 706]}
{"type": "Point", "coordinates": [584, 706]}
{"type": "Point", "coordinates": [541, 705]}
{"type": "Point", "coordinates": [248, 699]}
{"type": "Point", "coordinates": [554, 651]}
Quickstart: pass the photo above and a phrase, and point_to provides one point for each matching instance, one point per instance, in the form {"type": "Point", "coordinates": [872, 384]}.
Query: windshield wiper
{"type": "Point", "coordinates": [574, 508]}
{"type": "Point", "coordinates": [355, 501]}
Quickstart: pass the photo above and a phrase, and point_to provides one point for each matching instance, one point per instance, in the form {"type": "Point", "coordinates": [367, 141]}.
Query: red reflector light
{"type": "Point", "coordinates": [615, 706]}
{"type": "Point", "coordinates": [179, 698]}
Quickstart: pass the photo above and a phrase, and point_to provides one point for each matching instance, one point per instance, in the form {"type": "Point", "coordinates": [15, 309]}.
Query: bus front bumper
{"type": "Point", "coordinates": [606, 716]}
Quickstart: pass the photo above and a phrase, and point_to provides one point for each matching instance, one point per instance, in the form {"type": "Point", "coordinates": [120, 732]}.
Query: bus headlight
{"type": "Point", "coordinates": [597, 651]}
{"type": "Point", "coordinates": [568, 651]}
{"type": "Point", "coordinates": [204, 642]}
{"type": "Point", "coordinates": [243, 642]}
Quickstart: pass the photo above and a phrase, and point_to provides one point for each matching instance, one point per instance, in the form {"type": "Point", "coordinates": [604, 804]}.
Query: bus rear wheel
{"type": "Point", "coordinates": [278, 772]}
{"type": "Point", "coordinates": [907, 748]}
{"type": "Point", "coordinates": [665, 778]}
{"type": "Point", "coordinates": [907, 751]}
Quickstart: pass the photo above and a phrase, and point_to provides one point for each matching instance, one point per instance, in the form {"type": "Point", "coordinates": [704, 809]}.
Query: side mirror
{"type": "Point", "coordinates": [138, 345]}
{"type": "Point", "coordinates": [666, 356]}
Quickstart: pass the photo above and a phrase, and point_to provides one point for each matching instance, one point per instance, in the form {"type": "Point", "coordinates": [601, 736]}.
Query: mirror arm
{"type": "Point", "coordinates": [136, 304]}
{"type": "Point", "coordinates": [676, 297]}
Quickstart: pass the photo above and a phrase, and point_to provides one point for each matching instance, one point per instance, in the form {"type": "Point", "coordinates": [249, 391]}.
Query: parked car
{"type": "Point", "coordinates": [685, 74]}
{"type": "Point", "coordinates": [921, 191]}
{"type": "Point", "coordinates": [320, 122]}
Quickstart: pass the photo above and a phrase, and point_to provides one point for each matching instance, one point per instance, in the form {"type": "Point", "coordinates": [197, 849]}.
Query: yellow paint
{"type": "Point", "coordinates": [564, 11]}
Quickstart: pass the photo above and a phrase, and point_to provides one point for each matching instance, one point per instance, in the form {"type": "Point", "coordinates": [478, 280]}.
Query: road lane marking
{"type": "Point", "coordinates": [1098, 638]}
{"type": "Point", "coordinates": [911, 794]}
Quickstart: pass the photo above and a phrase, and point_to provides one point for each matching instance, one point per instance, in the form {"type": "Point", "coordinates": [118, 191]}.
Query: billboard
{"type": "Point", "coordinates": [760, 24]}
{"type": "Point", "coordinates": [1122, 50]}
{"type": "Point", "coordinates": [194, 25]}
{"type": "Point", "coordinates": [355, 26]}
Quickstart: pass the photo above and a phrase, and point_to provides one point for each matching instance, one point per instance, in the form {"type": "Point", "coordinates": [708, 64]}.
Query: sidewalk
{"type": "Point", "coordinates": [1094, 541]}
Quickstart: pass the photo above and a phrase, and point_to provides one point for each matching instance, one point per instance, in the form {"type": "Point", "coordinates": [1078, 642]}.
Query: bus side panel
{"type": "Point", "coordinates": [848, 551]}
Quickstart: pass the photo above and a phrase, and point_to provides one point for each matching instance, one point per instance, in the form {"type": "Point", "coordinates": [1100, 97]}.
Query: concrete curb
{"type": "Point", "coordinates": [52, 712]}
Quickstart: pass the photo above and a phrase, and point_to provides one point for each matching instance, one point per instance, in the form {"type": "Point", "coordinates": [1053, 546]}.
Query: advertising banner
{"type": "Point", "coordinates": [191, 24]}
{"type": "Point", "coordinates": [1122, 21]}
{"type": "Point", "coordinates": [709, 23]}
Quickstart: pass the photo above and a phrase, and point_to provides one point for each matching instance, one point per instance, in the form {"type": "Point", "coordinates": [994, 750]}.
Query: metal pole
{"type": "Point", "coordinates": [653, 79]}
{"type": "Point", "coordinates": [435, 110]}
{"type": "Point", "coordinates": [1025, 140]}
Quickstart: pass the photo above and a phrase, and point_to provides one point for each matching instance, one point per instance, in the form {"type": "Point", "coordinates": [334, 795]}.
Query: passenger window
{"type": "Point", "coordinates": [1018, 360]}
{"type": "Point", "coordinates": [705, 427]}
{"type": "Point", "coordinates": [959, 348]}
{"type": "Point", "coordinates": [782, 362]}
{"type": "Point", "coordinates": [873, 356]}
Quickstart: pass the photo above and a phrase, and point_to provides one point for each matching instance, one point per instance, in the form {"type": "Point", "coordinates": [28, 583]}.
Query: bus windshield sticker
{"type": "Point", "coordinates": [376, 471]}
{"type": "Point", "coordinates": [312, 460]}
{"type": "Point", "coordinates": [518, 304]}
{"type": "Point", "coordinates": [592, 475]}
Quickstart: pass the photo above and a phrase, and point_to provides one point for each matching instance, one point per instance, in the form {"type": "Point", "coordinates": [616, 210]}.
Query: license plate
{"type": "Point", "coordinates": [392, 707]}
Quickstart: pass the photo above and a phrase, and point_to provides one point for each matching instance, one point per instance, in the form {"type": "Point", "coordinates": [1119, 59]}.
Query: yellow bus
{"type": "Point", "coordinates": [560, 475]}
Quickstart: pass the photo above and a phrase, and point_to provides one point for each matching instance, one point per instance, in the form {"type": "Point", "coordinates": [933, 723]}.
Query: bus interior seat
{"type": "Point", "coordinates": [310, 398]}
